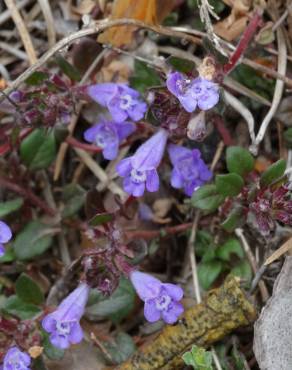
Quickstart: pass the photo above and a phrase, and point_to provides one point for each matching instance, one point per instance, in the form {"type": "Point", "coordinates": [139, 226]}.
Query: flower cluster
{"type": "Point", "coordinates": [5, 236]}
{"type": "Point", "coordinates": [16, 360]}
{"type": "Point", "coordinates": [193, 93]}
{"type": "Point", "coordinates": [63, 324]}
{"type": "Point", "coordinates": [189, 170]}
{"type": "Point", "coordinates": [108, 135]}
{"type": "Point", "coordinates": [161, 299]}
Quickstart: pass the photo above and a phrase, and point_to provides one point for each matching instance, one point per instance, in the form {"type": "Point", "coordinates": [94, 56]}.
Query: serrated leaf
{"type": "Point", "coordinates": [239, 160]}
{"type": "Point", "coordinates": [121, 349]}
{"type": "Point", "coordinates": [231, 246]}
{"type": "Point", "coordinates": [208, 273]}
{"type": "Point", "coordinates": [10, 206]}
{"type": "Point", "coordinates": [38, 150]}
{"type": "Point", "coordinates": [68, 69]}
{"type": "Point", "coordinates": [273, 173]}
{"type": "Point", "coordinates": [199, 358]}
{"type": "Point", "coordinates": [33, 240]}
{"type": "Point", "coordinates": [117, 306]}
{"type": "Point", "coordinates": [229, 185]}
{"type": "Point", "coordinates": [144, 77]}
{"type": "Point", "coordinates": [25, 311]}
{"type": "Point", "coordinates": [234, 219]}
{"type": "Point", "coordinates": [28, 290]}
{"type": "Point", "coordinates": [36, 78]}
{"type": "Point", "coordinates": [74, 198]}
{"type": "Point", "coordinates": [207, 198]}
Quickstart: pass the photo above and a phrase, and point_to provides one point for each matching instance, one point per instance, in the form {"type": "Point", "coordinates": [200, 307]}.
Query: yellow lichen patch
{"type": "Point", "coordinates": [222, 310]}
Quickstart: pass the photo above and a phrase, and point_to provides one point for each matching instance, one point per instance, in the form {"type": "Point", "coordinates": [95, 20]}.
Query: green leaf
{"type": "Point", "coordinates": [38, 150]}
{"type": "Point", "coordinates": [288, 137]}
{"type": "Point", "coordinates": [199, 358]}
{"type": "Point", "coordinates": [25, 311]}
{"type": "Point", "coordinates": [28, 291]}
{"type": "Point", "coordinates": [229, 185]}
{"type": "Point", "coordinates": [51, 352]}
{"type": "Point", "coordinates": [33, 240]}
{"type": "Point", "coordinates": [36, 78]}
{"type": "Point", "coordinates": [234, 219]}
{"type": "Point", "coordinates": [232, 246]}
{"type": "Point", "coordinates": [144, 77]}
{"type": "Point", "coordinates": [203, 241]}
{"type": "Point", "coordinates": [101, 218]}
{"type": "Point", "coordinates": [117, 306]}
{"type": "Point", "coordinates": [9, 255]}
{"type": "Point", "coordinates": [207, 198]}
{"type": "Point", "coordinates": [208, 273]}
{"type": "Point", "coordinates": [243, 270]}
{"type": "Point", "coordinates": [181, 65]}
{"type": "Point", "coordinates": [273, 173]}
{"type": "Point", "coordinates": [74, 197]}
{"type": "Point", "coordinates": [10, 206]}
{"type": "Point", "coordinates": [121, 349]}
{"type": "Point", "coordinates": [68, 69]}
{"type": "Point", "coordinates": [239, 160]}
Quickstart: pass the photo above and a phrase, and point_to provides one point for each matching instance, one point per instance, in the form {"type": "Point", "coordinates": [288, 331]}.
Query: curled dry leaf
{"type": "Point", "coordinates": [273, 329]}
{"type": "Point", "coordinates": [233, 26]}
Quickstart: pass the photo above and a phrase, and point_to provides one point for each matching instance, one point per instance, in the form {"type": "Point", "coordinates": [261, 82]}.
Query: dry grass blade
{"type": "Point", "coordinates": [47, 12]}
{"type": "Point", "coordinates": [23, 32]}
{"type": "Point", "coordinates": [279, 252]}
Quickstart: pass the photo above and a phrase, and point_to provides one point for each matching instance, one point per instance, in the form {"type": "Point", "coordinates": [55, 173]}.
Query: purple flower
{"type": "Point", "coordinates": [193, 92]}
{"type": "Point", "coordinates": [108, 135]}
{"type": "Point", "coordinates": [140, 170]}
{"type": "Point", "coordinates": [63, 324]}
{"type": "Point", "coordinates": [189, 170]}
{"type": "Point", "coordinates": [122, 101]}
{"type": "Point", "coordinates": [161, 299]}
{"type": "Point", "coordinates": [16, 360]}
{"type": "Point", "coordinates": [5, 236]}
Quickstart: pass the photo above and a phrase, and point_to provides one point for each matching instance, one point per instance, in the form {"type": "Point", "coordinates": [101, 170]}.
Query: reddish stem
{"type": "Point", "coordinates": [26, 193]}
{"type": "Point", "coordinates": [87, 147]}
{"type": "Point", "coordinates": [151, 234]}
{"type": "Point", "coordinates": [244, 42]}
{"type": "Point", "coordinates": [223, 131]}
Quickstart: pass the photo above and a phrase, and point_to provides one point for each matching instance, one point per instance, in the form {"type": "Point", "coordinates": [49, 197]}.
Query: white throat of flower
{"type": "Point", "coordinates": [137, 176]}
{"type": "Point", "coordinates": [126, 102]}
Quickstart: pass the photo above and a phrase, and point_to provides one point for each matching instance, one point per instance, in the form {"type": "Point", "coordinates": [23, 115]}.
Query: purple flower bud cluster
{"type": "Point", "coordinates": [5, 236]}
{"type": "Point", "coordinates": [16, 360]}
{"type": "Point", "coordinates": [193, 93]}
{"type": "Point", "coordinates": [63, 325]}
{"type": "Point", "coordinates": [161, 299]}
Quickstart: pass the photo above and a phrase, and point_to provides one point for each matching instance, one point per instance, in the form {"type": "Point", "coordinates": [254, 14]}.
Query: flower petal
{"type": "Point", "coordinates": [176, 152]}
{"type": "Point", "coordinates": [171, 315]}
{"type": "Point", "coordinates": [124, 167]}
{"type": "Point", "coordinates": [5, 232]}
{"type": "Point", "coordinates": [76, 334]}
{"type": "Point", "coordinates": [49, 323]}
{"type": "Point", "coordinates": [138, 189]}
{"type": "Point", "coordinates": [59, 341]}
{"type": "Point", "coordinates": [146, 286]}
{"type": "Point", "coordinates": [150, 311]}
{"type": "Point", "coordinates": [110, 152]}
{"type": "Point", "coordinates": [137, 111]}
{"type": "Point", "coordinates": [174, 291]}
{"type": "Point", "coordinates": [176, 180]}
{"type": "Point", "coordinates": [90, 134]}
{"type": "Point", "coordinates": [125, 129]}
{"type": "Point", "coordinates": [2, 250]}
{"type": "Point", "coordinates": [149, 154]}
{"type": "Point", "coordinates": [118, 114]}
{"type": "Point", "coordinates": [188, 102]}
{"type": "Point", "coordinates": [102, 93]}
{"type": "Point", "coordinates": [152, 181]}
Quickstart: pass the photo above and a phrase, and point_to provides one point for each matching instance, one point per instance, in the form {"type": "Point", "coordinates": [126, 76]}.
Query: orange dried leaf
{"type": "Point", "coordinates": [148, 11]}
